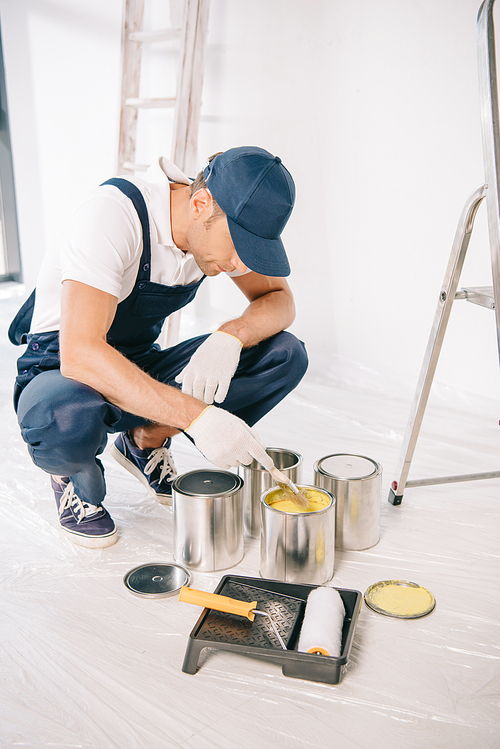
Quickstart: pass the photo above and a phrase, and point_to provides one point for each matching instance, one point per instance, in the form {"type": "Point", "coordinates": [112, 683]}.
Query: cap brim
{"type": "Point", "coordinates": [264, 256]}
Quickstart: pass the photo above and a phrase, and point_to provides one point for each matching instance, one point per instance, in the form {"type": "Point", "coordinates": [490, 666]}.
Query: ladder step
{"type": "Point", "coordinates": [454, 479]}
{"type": "Point", "coordinates": [482, 295]}
{"type": "Point", "coordinates": [143, 103]}
{"type": "Point", "coordinates": [135, 167]}
{"type": "Point", "coordinates": [160, 35]}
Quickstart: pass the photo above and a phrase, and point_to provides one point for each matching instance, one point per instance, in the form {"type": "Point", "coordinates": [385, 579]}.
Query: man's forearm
{"type": "Point", "coordinates": [263, 318]}
{"type": "Point", "coordinates": [125, 385]}
{"type": "Point", "coordinates": [87, 314]}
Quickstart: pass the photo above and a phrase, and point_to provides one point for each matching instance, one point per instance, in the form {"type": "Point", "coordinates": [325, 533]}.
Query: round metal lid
{"type": "Point", "coordinates": [400, 599]}
{"type": "Point", "coordinates": [347, 466]}
{"type": "Point", "coordinates": [156, 580]}
{"type": "Point", "coordinates": [207, 483]}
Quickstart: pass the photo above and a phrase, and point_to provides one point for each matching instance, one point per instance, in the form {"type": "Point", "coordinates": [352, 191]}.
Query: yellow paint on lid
{"type": "Point", "coordinates": [399, 598]}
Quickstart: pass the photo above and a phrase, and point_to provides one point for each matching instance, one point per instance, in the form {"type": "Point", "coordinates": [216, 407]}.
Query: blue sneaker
{"type": "Point", "coordinates": [88, 525]}
{"type": "Point", "coordinates": [154, 467]}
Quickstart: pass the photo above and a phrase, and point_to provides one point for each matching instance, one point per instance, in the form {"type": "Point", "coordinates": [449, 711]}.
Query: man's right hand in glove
{"type": "Point", "coordinates": [226, 441]}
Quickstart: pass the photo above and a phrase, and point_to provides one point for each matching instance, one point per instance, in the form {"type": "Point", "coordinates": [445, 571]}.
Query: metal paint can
{"type": "Point", "coordinates": [297, 547]}
{"type": "Point", "coordinates": [257, 480]}
{"type": "Point", "coordinates": [356, 482]}
{"type": "Point", "coordinates": [208, 519]}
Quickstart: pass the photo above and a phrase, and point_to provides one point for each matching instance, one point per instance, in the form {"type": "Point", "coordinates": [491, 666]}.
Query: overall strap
{"type": "Point", "coordinates": [135, 195]}
{"type": "Point", "coordinates": [20, 325]}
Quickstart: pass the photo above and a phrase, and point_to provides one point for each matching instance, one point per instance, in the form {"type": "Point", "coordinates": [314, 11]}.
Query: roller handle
{"type": "Point", "coordinates": [218, 603]}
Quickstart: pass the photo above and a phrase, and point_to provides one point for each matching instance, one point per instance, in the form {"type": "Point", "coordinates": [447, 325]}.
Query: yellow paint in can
{"type": "Point", "coordinates": [279, 500]}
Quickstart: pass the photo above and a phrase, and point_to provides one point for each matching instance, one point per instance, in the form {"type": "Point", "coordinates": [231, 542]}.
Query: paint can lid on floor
{"type": "Point", "coordinates": [400, 598]}
{"type": "Point", "coordinates": [159, 580]}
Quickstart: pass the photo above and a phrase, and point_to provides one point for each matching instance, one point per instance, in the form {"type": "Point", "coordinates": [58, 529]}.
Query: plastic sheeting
{"type": "Point", "coordinates": [87, 664]}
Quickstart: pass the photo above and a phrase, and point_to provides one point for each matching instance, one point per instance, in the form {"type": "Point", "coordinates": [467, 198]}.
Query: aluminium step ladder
{"type": "Point", "coordinates": [485, 296]}
{"type": "Point", "coordinates": [191, 34]}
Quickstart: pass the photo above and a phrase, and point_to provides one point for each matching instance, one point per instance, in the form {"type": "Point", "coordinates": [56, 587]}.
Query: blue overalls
{"type": "Point", "coordinates": [66, 423]}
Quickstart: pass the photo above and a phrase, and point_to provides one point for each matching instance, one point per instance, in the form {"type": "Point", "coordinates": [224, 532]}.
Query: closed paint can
{"type": "Point", "coordinates": [356, 482]}
{"type": "Point", "coordinates": [297, 547]}
{"type": "Point", "coordinates": [257, 480]}
{"type": "Point", "coordinates": [208, 519]}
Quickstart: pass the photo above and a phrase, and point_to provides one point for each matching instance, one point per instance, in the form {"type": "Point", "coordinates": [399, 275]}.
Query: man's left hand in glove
{"type": "Point", "coordinates": [208, 375]}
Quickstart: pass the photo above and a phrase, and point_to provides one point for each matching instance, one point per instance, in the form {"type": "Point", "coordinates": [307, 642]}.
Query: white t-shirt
{"type": "Point", "coordinates": [101, 245]}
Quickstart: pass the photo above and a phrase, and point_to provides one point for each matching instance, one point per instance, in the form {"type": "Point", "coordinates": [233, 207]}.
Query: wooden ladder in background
{"type": "Point", "coordinates": [190, 26]}
{"type": "Point", "coordinates": [192, 36]}
{"type": "Point", "coordinates": [483, 295]}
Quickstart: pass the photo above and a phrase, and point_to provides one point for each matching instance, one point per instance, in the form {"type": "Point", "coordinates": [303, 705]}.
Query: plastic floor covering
{"type": "Point", "coordinates": [84, 663]}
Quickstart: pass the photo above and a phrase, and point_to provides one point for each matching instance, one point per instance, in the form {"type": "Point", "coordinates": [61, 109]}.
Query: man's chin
{"type": "Point", "coordinates": [209, 270]}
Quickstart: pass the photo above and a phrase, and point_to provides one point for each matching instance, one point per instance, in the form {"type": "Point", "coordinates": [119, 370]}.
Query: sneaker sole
{"type": "Point", "coordinates": [162, 499]}
{"type": "Point", "coordinates": [92, 542]}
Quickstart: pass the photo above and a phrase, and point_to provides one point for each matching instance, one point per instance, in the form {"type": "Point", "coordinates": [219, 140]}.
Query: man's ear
{"type": "Point", "coordinates": [201, 204]}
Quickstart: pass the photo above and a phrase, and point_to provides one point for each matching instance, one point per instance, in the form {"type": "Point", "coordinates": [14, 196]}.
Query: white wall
{"type": "Point", "coordinates": [372, 106]}
{"type": "Point", "coordinates": [62, 60]}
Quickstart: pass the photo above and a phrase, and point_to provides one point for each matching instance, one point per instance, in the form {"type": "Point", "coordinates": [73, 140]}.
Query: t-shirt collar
{"type": "Point", "coordinates": [159, 176]}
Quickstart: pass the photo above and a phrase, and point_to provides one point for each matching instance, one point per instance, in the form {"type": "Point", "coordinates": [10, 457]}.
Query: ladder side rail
{"type": "Point", "coordinates": [200, 47]}
{"type": "Point", "coordinates": [187, 113]}
{"type": "Point", "coordinates": [131, 73]}
{"type": "Point", "coordinates": [488, 92]}
{"type": "Point", "coordinates": [190, 84]}
{"type": "Point", "coordinates": [434, 345]}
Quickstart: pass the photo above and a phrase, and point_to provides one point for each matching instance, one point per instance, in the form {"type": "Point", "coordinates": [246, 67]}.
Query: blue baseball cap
{"type": "Point", "coordinates": [257, 194]}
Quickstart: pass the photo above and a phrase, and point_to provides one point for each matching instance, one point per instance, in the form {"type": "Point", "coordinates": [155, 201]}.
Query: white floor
{"type": "Point", "coordinates": [86, 664]}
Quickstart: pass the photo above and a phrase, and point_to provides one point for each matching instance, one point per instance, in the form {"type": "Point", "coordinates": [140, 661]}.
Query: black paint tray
{"type": "Point", "coordinates": [285, 603]}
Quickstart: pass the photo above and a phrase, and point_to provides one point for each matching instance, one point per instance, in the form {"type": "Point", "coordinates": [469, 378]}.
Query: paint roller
{"type": "Point", "coordinates": [321, 631]}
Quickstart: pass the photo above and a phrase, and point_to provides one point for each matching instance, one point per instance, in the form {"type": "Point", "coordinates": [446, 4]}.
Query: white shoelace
{"type": "Point", "coordinates": [72, 501]}
{"type": "Point", "coordinates": [161, 455]}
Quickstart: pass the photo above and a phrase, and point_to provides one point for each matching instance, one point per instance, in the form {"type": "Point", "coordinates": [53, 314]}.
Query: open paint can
{"type": "Point", "coordinates": [297, 546]}
{"type": "Point", "coordinates": [208, 520]}
{"type": "Point", "coordinates": [257, 480]}
{"type": "Point", "coordinates": [356, 482]}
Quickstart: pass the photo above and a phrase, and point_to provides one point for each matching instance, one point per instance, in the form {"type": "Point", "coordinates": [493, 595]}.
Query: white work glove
{"type": "Point", "coordinates": [209, 373]}
{"type": "Point", "coordinates": [226, 441]}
